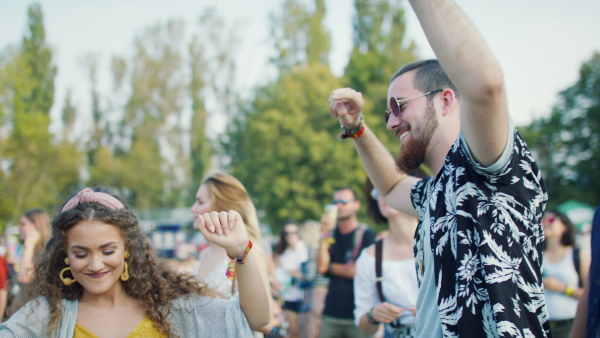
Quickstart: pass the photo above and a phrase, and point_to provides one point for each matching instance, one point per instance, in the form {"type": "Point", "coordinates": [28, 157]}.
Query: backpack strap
{"type": "Point", "coordinates": [358, 239]}
{"type": "Point", "coordinates": [378, 270]}
{"type": "Point", "coordinates": [577, 263]}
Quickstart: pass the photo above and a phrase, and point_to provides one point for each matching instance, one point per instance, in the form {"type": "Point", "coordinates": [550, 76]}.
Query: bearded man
{"type": "Point", "coordinates": [478, 246]}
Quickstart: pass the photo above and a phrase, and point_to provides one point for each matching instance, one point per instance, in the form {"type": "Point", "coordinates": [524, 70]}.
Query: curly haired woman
{"type": "Point", "coordinates": [100, 277]}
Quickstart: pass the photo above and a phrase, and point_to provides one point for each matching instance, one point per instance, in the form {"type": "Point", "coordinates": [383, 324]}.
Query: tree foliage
{"type": "Point", "coordinates": [286, 149]}
{"type": "Point", "coordinates": [38, 168]}
{"type": "Point", "coordinates": [380, 48]}
{"type": "Point", "coordinates": [286, 146]}
{"type": "Point", "coordinates": [299, 37]}
{"type": "Point", "coordinates": [566, 143]}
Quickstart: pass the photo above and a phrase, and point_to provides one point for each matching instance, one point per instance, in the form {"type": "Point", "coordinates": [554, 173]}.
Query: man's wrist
{"type": "Point", "coordinates": [326, 237]}
{"type": "Point", "coordinates": [353, 131]}
{"type": "Point", "coordinates": [370, 317]}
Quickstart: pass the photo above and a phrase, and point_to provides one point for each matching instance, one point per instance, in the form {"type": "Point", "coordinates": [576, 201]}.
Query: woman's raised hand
{"type": "Point", "coordinates": [225, 229]}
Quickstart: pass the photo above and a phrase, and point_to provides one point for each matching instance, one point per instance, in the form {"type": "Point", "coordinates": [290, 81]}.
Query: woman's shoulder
{"type": "Point", "coordinates": [31, 320]}
{"type": "Point", "coordinates": [370, 250]}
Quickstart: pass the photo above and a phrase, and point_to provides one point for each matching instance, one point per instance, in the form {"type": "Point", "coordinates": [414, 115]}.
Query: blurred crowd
{"type": "Point", "coordinates": [376, 271]}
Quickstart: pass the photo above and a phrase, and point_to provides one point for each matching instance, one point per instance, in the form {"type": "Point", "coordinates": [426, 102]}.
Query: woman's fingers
{"type": "Point", "coordinates": [223, 222]}
{"type": "Point", "coordinates": [209, 223]}
{"type": "Point", "coordinates": [233, 217]}
{"type": "Point", "coordinates": [199, 222]}
{"type": "Point", "coordinates": [215, 221]}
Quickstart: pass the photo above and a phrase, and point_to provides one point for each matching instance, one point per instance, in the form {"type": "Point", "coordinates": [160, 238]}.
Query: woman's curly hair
{"type": "Point", "coordinates": [151, 281]}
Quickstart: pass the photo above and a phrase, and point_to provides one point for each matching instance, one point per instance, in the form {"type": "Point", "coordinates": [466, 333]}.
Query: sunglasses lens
{"type": "Point", "coordinates": [343, 202]}
{"type": "Point", "coordinates": [394, 108]}
{"type": "Point", "coordinates": [387, 116]}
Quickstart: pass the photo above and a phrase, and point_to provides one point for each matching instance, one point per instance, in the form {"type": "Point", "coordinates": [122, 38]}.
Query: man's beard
{"type": "Point", "coordinates": [412, 154]}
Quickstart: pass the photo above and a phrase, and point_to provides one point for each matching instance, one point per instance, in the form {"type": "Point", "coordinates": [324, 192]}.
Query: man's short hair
{"type": "Point", "coordinates": [429, 76]}
{"type": "Point", "coordinates": [356, 198]}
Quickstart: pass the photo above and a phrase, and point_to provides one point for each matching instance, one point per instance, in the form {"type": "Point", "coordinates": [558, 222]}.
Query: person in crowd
{"type": "Point", "coordinates": [479, 244]}
{"type": "Point", "coordinates": [184, 260]}
{"type": "Point", "coordinates": [3, 287]}
{"type": "Point", "coordinates": [387, 294]}
{"type": "Point", "coordinates": [339, 248]}
{"type": "Point", "coordinates": [587, 318]}
{"type": "Point", "coordinates": [291, 253]}
{"type": "Point", "coordinates": [100, 276]}
{"type": "Point", "coordinates": [34, 230]}
{"type": "Point", "coordinates": [565, 269]}
{"type": "Point", "coordinates": [221, 192]}
{"type": "Point", "coordinates": [310, 233]}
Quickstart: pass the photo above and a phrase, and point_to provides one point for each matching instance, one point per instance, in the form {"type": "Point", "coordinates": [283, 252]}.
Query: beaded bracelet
{"type": "Point", "coordinates": [230, 273]}
{"type": "Point", "coordinates": [356, 132]}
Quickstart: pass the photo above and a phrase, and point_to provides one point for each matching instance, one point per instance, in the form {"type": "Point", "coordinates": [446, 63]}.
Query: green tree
{"type": "Point", "coordinates": [300, 39]}
{"type": "Point", "coordinates": [380, 48]}
{"type": "Point", "coordinates": [566, 144]}
{"type": "Point", "coordinates": [283, 145]}
{"type": "Point", "coordinates": [142, 150]}
{"type": "Point", "coordinates": [38, 59]}
{"type": "Point", "coordinates": [200, 147]}
{"type": "Point", "coordinates": [38, 170]}
{"type": "Point", "coordinates": [286, 148]}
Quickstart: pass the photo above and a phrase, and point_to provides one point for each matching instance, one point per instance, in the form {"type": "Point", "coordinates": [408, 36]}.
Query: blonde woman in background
{"type": "Point", "coordinates": [34, 230]}
{"type": "Point", "coordinates": [220, 192]}
{"type": "Point", "coordinates": [310, 233]}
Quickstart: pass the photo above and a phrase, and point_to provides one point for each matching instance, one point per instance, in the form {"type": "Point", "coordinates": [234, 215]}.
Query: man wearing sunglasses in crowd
{"type": "Point", "coordinates": [339, 248]}
{"type": "Point", "coordinates": [478, 246]}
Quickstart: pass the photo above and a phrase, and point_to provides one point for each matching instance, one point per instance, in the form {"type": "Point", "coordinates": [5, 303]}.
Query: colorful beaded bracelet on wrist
{"type": "Point", "coordinates": [230, 273]}
{"type": "Point", "coordinates": [354, 135]}
{"type": "Point", "coordinates": [356, 132]}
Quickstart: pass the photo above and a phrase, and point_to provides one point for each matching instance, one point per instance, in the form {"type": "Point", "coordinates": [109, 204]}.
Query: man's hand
{"type": "Point", "coordinates": [386, 312]}
{"type": "Point", "coordinates": [346, 104]}
{"type": "Point", "coordinates": [326, 224]}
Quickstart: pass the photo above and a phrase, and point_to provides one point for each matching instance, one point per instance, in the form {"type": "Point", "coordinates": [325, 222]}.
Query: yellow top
{"type": "Point", "coordinates": [144, 329]}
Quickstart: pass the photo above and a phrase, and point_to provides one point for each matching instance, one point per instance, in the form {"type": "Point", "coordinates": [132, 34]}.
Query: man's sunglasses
{"type": "Point", "coordinates": [343, 202]}
{"type": "Point", "coordinates": [396, 105]}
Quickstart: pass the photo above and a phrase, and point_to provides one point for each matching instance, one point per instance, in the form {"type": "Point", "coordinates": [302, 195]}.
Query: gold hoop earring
{"type": "Point", "coordinates": [66, 280]}
{"type": "Point", "coordinates": [125, 273]}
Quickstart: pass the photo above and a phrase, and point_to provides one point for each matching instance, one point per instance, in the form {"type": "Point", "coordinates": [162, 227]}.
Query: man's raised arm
{"type": "Point", "coordinates": [347, 104]}
{"type": "Point", "coordinates": [476, 73]}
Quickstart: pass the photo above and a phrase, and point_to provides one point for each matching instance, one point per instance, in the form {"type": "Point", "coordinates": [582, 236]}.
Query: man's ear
{"type": "Point", "coordinates": [449, 100]}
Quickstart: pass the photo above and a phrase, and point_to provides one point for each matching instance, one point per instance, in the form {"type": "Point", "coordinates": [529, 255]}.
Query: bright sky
{"type": "Point", "coordinates": [541, 44]}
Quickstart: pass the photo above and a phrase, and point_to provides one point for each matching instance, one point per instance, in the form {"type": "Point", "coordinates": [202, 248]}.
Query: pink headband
{"type": "Point", "coordinates": [88, 195]}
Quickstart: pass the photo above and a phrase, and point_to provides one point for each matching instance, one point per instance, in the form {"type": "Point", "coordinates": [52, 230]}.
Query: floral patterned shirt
{"type": "Point", "coordinates": [486, 240]}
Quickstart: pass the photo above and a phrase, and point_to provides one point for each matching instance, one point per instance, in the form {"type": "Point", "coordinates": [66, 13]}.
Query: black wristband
{"type": "Point", "coordinates": [370, 318]}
